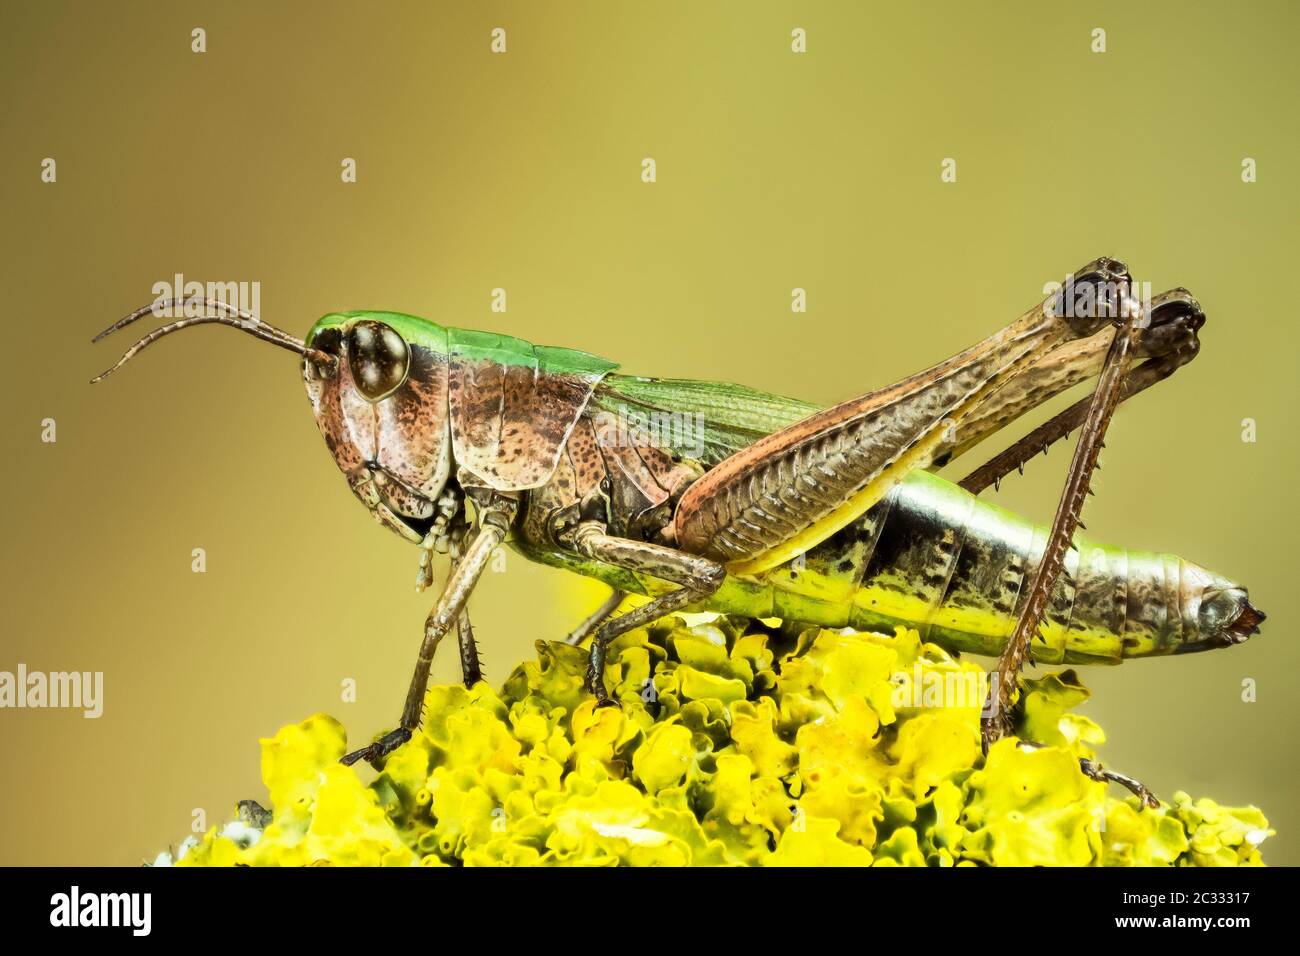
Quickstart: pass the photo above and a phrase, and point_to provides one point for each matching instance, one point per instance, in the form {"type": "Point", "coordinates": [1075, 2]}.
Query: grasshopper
{"type": "Point", "coordinates": [460, 441]}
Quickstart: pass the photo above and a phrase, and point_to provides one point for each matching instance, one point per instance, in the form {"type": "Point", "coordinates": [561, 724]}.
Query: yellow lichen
{"type": "Point", "coordinates": [733, 744]}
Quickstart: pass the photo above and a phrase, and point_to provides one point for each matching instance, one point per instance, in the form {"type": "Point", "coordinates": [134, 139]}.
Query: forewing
{"type": "Point", "coordinates": [709, 421]}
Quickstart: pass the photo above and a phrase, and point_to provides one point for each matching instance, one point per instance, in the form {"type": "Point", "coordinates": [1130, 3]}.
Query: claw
{"type": "Point", "coordinates": [1096, 771]}
{"type": "Point", "coordinates": [995, 721]}
{"type": "Point", "coordinates": [994, 727]}
{"type": "Point", "coordinates": [595, 685]}
{"type": "Point", "coordinates": [375, 753]}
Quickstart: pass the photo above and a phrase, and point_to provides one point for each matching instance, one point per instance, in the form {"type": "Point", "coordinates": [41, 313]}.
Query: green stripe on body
{"type": "Point", "coordinates": [472, 345]}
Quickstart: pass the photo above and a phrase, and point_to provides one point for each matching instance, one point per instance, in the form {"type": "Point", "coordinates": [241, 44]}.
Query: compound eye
{"type": "Point", "coordinates": [378, 358]}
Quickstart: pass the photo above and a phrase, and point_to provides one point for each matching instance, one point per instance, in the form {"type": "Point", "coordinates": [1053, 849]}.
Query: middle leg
{"type": "Point", "coordinates": [596, 617]}
{"type": "Point", "coordinates": [471, 663]}
{"type": "Point", "coordinates": [699, 577]}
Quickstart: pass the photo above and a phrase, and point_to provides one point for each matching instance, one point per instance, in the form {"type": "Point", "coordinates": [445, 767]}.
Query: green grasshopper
{"type": "Point", "coordinates": [460, 441]}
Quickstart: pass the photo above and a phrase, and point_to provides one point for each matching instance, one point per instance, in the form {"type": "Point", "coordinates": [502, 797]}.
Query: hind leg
{"type": "Point", "coordinates": [996, 722]}
{"type": "Point", "coordinates": [1169, 343]}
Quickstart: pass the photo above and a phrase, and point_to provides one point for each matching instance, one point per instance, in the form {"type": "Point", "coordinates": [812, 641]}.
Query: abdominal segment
{"type": "Point", "coordinates": [932, 557]}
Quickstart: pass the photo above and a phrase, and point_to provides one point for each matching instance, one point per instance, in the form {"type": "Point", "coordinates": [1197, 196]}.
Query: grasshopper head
{"type": "Point", "coordinates": [380, 401]}
{"type": "Point", "coordinates": [378, 386]}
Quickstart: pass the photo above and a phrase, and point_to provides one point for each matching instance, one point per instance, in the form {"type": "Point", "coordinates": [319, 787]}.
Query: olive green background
{"type": "Point", "coordinates": [522, 171]}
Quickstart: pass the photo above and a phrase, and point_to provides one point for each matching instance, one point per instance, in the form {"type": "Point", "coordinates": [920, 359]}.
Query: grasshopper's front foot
{"type": "Point", "coordinates": [377, 752]}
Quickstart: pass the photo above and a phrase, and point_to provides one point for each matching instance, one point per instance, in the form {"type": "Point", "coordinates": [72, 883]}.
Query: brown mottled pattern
{"type": "Point", "coordinates": [577, 475]}
{"type": "Point", "coordinates": [627, 465]}
{"type": "Point", "coordinates": [633, 486]}
{"type": "Point", "coordinates": [1172, 593]}
{"type": "Point", "coordinates": [1094, 598]}
{"type": "Point", "coordinates": [520, 385]}
{"type": "Point", "coordinates": [358, 415]}
{"type": "Point", "coordinates": [324, 398]}
{"type": "Point", "coordinates": [557, 401]}
{"type": "Point", "coordinates": [401, 499]}
{"type": "Point", "coordinates": [540, 409]}
{"type": "Point", "coordinates": [475, 394]}
{"type": "Point", "coordinates": [639, 476]}
{"type": "Point", "coordinates": [509, 424]}
{"type": "Point", "coordinates": [414, 439]}
{"type": "Point", "coordinates": [1144, 610]}
{"type": "Point", "coordinates": [583, 453]}
{"type": "Point", "coordinates": [541, 503]}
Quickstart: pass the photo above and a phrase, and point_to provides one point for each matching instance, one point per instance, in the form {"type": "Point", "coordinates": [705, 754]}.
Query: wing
{"type": "Point", "coordinates": [717, 419]}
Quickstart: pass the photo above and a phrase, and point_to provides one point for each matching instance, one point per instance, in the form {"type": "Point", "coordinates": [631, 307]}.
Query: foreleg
{"type": "Point", "coordinates": [495, 521]}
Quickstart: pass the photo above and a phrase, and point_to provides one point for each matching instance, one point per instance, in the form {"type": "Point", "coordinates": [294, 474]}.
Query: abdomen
{"type": "Point", "coordinates": [933, 557]}
{"type": "Point", "coordinates": [936, 558]}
